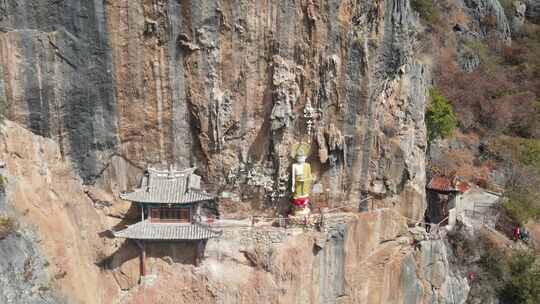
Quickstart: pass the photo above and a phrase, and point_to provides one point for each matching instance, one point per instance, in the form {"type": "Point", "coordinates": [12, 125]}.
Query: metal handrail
{"type": "Point", "coordinates": [321, 215]}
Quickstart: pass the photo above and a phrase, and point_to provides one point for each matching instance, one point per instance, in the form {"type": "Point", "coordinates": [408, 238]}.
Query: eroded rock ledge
{"type": "Point", "coordinates": [361, 258]}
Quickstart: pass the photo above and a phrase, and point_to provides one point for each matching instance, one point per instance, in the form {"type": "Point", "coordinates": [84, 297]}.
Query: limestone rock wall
{"type": "Point", "coordinates": [366, 258]}
{"type": "Point", "coordinates": [223, 85]}
{"type": "Point", "coordinates": [533, 10]}
{"type": "Point", "coordinates": [57, 76]}
{"type": "Point", "coordinates": [104, 88]}
{"type": "Point", "coordinates": [22, 275]}
{"type": "Point", "coordinates": [60, 251]}
{"type": "Point", "coordinates": [488, 18]}
{"type": "Point", "coordinates": [53, 254]}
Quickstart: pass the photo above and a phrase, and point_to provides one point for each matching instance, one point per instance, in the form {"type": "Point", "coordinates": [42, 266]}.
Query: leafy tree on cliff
{"type": "Point", "coordinates": [440, 118]}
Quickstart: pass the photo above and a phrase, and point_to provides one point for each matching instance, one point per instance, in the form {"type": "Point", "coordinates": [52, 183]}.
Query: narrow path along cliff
{"type": "Point", "coordinates": [357, 258]}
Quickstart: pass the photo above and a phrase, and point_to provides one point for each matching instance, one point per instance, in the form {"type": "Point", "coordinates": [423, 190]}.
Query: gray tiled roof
{"type": "Point", "coordinates": [166, 231]}
{"type": "Point", "coordinates": [170, 187]}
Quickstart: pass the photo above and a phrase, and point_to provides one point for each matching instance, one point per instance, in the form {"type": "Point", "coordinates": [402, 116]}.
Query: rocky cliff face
{"type": "Point", "coordinates": [223, 86]}
{"type": "Point", "coordinates": [53, 252]}
{"type": "Point", "coordinates": [364, 258]}
{"type": "Point", "coordinates": [107, 87]}
{"type": "Point", "coordinates": [57, 76]}
{"type": "Point", "coordinates": [59, 251]}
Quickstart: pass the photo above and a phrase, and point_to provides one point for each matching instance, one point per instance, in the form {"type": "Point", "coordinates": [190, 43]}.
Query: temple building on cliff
{"type": "Point", "coordinates": [170, 205]}
{"type": "Point", "coordinates": [445, 199]}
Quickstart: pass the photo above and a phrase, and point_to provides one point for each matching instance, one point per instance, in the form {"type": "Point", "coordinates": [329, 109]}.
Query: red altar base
{"type": "Point", "coordinates": [301, 201]}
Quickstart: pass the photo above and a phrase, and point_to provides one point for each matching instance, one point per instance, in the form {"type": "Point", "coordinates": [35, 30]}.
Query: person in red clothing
{"type": "Point", "coordinates": [516, 233]}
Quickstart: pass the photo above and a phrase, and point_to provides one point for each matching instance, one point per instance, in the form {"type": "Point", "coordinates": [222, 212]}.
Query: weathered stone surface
{"type": "Point", "coordinates": [60, 246]}
{"type": "Point", "coordinates": [208, 84]}
{"type": "Point", "coordinates": [517, 18]}
{"type": "Point", "coordinates": [445, 286]}
{"type": "Point", "coordinates": [361, 258]}
{"type": "Point", "coordinates": [220, 85]}
{"type": "Point", "coordinates": [488, 18]}
{"type": "Point", "coordinates": [533, 11]}
{"type": "Point", "coordinates": [23, 274]}
{"type": "Point", "coordinates": [57, 76]}
{"type": "Point", "coordinates": [468, 59]}
{"type": "Point", "coordinates": [357, 264]}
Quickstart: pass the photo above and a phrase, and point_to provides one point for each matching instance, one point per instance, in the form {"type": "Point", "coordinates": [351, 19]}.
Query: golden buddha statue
{"type": "Point", "coordinates": [301, 183]}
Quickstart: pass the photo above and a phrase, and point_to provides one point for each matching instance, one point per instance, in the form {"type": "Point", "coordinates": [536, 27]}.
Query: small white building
{"type": "Point", "coordinates": [445, 200]}
{"type": "Point", "coordinates": [478, 205]}
{"type": "Point", "coordinates": [451, 199]}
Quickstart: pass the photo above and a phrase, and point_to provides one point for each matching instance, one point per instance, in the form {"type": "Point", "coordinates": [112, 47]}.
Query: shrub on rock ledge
{"type": "Point", "coordinates": [3, 183]}
{"type": "Point", "coordinates": [440, 118]}
{"type": "Point", "coordinates": [7, 226]}
{"type": "Point", "coordinates": [427, 10]}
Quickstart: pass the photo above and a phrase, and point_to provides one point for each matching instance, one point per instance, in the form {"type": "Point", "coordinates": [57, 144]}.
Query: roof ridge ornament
{"type": "Point", "coordinates": [171, 172]}
{"type": "Point", "coordinates": [169, 186]}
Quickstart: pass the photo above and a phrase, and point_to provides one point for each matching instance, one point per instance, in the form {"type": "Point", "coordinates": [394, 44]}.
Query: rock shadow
{"type": "Point", "coordinates": [170, 252]}
{"type": "Point", "coordinates": [126, 252]}
{"type": "Point", "coordinates": [176, 252]}
{"type": "Point", "coordinates": [132, 217]}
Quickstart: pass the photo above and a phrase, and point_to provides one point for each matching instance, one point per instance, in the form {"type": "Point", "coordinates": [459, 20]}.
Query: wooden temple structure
{"type": "Point", "coordinates": [170, 205]}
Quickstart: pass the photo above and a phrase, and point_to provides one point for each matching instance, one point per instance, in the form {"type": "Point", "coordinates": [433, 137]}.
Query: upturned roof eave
{"type": "Point", "coordinates": [127, 234]}
{"type": "Point", "coordinates": [132, 196]}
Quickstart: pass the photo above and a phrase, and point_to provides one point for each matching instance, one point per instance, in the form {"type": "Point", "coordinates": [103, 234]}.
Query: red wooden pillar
{"type": "Point", "coordinates": [142, 257]}
{"type": "Point", "coordinates": [197, 253]}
